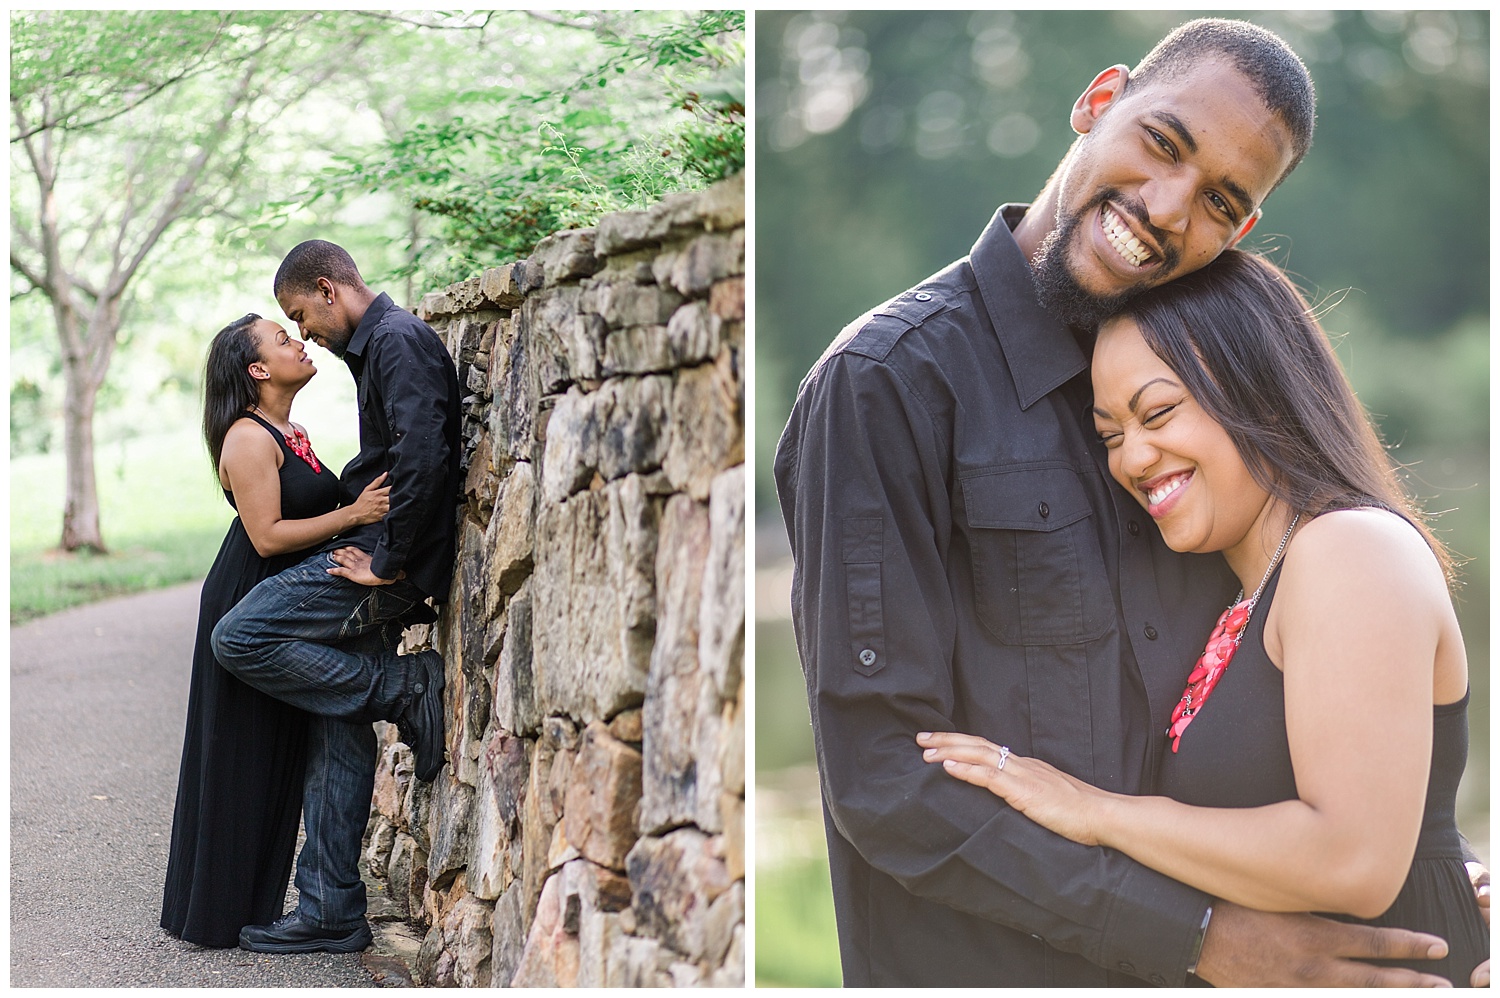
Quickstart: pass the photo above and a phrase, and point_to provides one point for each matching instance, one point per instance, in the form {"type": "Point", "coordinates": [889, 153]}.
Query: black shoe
{"type": "Point", "coordinates": [290, 934]}
{"type": "Point", "coordinates": [422, 722]}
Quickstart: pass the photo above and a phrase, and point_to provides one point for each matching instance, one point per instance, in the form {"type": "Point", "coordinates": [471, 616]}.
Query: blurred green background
{"type": "Point", "coordinates": [884, 142]}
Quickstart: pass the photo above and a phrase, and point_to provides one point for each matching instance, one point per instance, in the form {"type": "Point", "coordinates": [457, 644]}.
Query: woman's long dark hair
{"type": "Point", "coordinates": [228, 389]}
{"type": "Point", "coordinates": [1249, 349]}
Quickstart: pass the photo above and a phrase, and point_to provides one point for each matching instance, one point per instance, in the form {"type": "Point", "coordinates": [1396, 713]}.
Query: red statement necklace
{"type": "Point", "coordinates": [1222, 644]}
{"type": "Point", "coordinates": [296, 440]}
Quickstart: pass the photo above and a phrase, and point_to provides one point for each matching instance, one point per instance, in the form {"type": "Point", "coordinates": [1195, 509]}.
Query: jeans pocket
{"type": "Point", "coordinates": [379, 606]}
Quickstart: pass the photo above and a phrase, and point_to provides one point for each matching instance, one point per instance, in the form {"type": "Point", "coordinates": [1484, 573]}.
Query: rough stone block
{"type": "Point", "coordinates": [550, 956]}
{"type": "Point", "coordinates": [675, 879]}
{"type": "Point", "coordinates": [515, 707]}
{"type": "Point", "coordinates": [559, 353]}
{"type": "Point", "coordinates": [602, 797]}
{"type": "Point", "coordinates": [467, 936]}
{"type": "Point", "coordinates": [615, 431]}
{"type": "Point", "coordinates": [721, 624]}
{"type": "Point", "coordinates": [623, 304]}
{"type": "Point", "coordinates": [709, 258]}
{"type": "Point", "coordinates": [623, 231]}
{"type": "Point", "coordinates": [451, 832]}
{"type": "Point", "coordinates": [508, 937]}
{"type": "Point", "coordinates": [539, 812]}
{"type": "Point", "coordinates": [722, 205]}
{"type": "Point", "coordinates": [670, 720]}
{"type": "Point", "coordinates": [510, 538]}
{"type": "Point", "coordinates": [706, 437]}
{"type": "Point", "coordinates": [594, 600]}
{"type": "Point", "coordinates": [566, 256]}
{"type": "Point", "coordinates": [726, 299]}
{"type": "Point", "coordinates": [732, 808]}
{"type": "Point", "coordinates": [500, 286]}
{"type": "Point", "coordinates": [504, 768]}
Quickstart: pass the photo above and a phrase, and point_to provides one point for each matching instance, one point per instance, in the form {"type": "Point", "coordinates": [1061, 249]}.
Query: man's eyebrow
{"type": "Point", "coordinates": [1241, 196]}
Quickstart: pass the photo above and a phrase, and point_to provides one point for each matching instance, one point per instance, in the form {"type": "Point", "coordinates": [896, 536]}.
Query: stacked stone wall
{"type": "Point", "coordinates": [589, 828]}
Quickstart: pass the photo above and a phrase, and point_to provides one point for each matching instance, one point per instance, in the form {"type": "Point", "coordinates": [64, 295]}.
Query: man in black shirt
{"type": "Point", "coordinates": [964, 561]}
{"type": "Point", "coordinates": [322, 634]}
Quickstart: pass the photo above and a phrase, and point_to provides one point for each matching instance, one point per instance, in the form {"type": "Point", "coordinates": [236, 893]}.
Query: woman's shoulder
{"type": "Point", "coordinates": [1363, 549]}
{"type": "Point", "coordinates": [248, 439]}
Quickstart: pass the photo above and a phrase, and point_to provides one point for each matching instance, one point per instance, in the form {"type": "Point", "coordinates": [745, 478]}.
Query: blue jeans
{"type": "Point", "coordinates": [327, 645]}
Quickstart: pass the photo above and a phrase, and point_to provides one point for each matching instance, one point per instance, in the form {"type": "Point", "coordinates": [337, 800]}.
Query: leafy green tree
{"type": "Point", "coordinates": [125, 123]}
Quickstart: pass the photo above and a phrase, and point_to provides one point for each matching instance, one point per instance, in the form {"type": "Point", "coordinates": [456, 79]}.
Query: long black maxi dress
{"type": "Point", "coordinates": [1235, 754]}
{"type": "Point", "coordinates": [239, 790]}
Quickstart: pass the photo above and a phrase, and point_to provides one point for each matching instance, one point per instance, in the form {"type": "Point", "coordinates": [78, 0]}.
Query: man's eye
{"type": "Point", "coordinates": [1221, 205]}
{"type": "Point", "coordinates": [1163, 144]}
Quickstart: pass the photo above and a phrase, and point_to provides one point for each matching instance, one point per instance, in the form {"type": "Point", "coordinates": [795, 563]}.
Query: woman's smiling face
{"type": "Point", "coordinates": [1167, 451]}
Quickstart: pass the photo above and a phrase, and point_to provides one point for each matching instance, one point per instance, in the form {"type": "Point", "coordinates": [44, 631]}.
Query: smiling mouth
{"type": "Point", "coordinates": [1164, 489]}
{"type": "Point", "coordinates": [1120, 238]}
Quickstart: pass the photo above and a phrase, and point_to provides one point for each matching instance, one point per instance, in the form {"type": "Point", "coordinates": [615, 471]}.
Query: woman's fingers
{"type": "Point", "coordinates": [939, 739]}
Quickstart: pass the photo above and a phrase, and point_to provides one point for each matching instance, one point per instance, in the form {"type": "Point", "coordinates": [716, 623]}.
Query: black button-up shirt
{"type": "Point", "coordinates": [409, 426]}
{"type": "Point", "coordinates": [965, 562]}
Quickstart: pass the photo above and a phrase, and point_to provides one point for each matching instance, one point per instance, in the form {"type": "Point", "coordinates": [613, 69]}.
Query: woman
{"type": "Point", "coordinates": [239, 792]}
{"type": "Point", "coordinates": [1313, 760]}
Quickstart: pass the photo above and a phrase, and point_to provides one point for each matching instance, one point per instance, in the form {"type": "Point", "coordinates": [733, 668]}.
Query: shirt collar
{"type": "Point", "coordinates": [367, 324]}
{"type": "Point", "coordinates": [1040, 349]}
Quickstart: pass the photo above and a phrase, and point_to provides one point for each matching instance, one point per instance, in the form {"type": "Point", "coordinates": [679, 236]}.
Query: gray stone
{"type": "Point", "coordinates": [566, 255]}
{"type": "Point", "coordinates": [594, 600]}
{"type": "Point", "coordinates": [675, 879]}
{"type": "Point", "coordinates": [513, 391]}
{"type": "Point", "coordinates": [706, 437]}
{"type": "Point", "coordinates": [623, 304]}
{"type": "Point", "coordinates": [540, 812]}
{"type": "Point", "coordinates": [500, 286]}
{"type": "Point", "coordinates": [515, 707]}
{"type": "Point", "coordinates": [451, 832]}
{"type": "Point", "coordinates": [467, 935]}
{"type": "Point", "coordinates": [623, 231]}
{"type": "Point", "coordinates": [726, 913]}
{"type": "Point", "coordinates": [707, 259]}
{"type": "Point", "coordinates": [434, 964]}
{"type": "Point", "coordinates": [550, 956]}
{"type": "Point", "coordinates": [499, 798]}
{"type": "Point", "coordinates": [615, 431]}
{"type": "Point", "coordinates": [726, 299]}
{"type": "Point", "coordinates": [722, 205]}
{"type": "Point", "coordinates": [508, 937]}
{"type": "Point", "coordinates": [511, 535]}
{"type": "Point", "coordinates": [550, 323]}
{"type": "Point", "coordinates": [732, 973]}
{"type": "Point", "coordinates": [721, 624]}
{"type": "Point", "coordinates": [670, 720]}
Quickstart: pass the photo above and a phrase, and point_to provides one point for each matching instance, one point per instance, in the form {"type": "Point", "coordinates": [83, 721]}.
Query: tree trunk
{"type": "Point", "coordinates": [81, 513]}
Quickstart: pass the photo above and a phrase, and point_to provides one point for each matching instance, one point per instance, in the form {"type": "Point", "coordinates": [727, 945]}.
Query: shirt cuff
{"type": "Point", "coordinates": [1192, 967]}
{"type": "Point", "coordinates": [1154, 929]}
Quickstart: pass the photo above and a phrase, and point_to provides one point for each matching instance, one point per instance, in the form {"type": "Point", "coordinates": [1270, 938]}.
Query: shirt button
{"type": "Point", "coordinates": [1127, 966]}
{"type": "Point", "coordinates": [867, 657]}
{"type": "Point", "coordinates": [922, 296]}
{"type": "Point", "coordinates": [1134, 528]}
{"type": "Point", "coordinates": [1150, 632]}
{"type": "Point", "coordinates": [1158, 980]}
{"type": "Point", "coordinates": [1043, 510]}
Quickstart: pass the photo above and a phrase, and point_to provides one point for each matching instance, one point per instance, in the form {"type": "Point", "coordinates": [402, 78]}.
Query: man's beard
{"type": "Point", "coordinates": [1058, 291]}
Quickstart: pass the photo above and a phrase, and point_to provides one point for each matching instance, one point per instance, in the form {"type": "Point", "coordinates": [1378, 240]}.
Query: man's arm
{"type": "Point", "coordinates": [415, 390]}
{"type": "Point", "coordinates": [864, 474]}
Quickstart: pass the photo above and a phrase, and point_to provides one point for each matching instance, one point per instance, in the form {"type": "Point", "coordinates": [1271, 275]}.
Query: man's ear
{"type": "Point", "coordinates": [1106, 89]}
{"type": "Point", "coordinates": [1245, 227]}
{"type": "Point", "coordinates": [325, 289]}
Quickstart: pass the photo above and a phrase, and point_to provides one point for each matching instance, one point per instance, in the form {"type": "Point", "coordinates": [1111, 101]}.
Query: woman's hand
{"type": "Point", "coordinates": [1046, 795]}
{"type": "Point", "coordinates": [373, 503]}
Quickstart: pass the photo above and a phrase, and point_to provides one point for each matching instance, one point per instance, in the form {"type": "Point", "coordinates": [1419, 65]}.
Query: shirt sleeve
{"type": "Point", "coordinates": [862, 477]}
{"type": "Point", "coordinates": [415, 391]}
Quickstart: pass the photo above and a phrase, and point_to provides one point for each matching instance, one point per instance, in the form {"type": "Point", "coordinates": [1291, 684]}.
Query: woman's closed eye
{"type": "Point", "coordinates": [1157, 414]}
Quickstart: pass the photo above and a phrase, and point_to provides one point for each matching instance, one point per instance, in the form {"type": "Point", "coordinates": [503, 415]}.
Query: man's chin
{"type": "Point", "coordinates": [1065, 298]}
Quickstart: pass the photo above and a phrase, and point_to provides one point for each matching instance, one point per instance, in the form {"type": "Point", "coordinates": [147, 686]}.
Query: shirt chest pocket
{"type": "Point", "coordinates": [1039, 578]}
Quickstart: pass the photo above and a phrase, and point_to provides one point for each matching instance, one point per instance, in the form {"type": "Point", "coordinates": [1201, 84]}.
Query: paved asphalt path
{"type": "Point", "coordinates": [98, 704]}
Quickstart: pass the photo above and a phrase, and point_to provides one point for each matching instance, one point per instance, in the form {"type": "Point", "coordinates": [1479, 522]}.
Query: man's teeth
{"type": "Point", "coordinates": [1127, 245]}
{"type": "Point", "coordinates": [1156, 495]}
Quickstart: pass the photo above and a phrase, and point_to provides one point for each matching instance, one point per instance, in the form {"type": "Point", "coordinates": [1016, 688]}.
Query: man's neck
{"type": "Point", "coordinates": [1039, 221]}
{"type": "Point", "coordinates": [357, 303]}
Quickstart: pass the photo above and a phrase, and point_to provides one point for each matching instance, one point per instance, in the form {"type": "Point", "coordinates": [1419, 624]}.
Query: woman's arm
{"type": "Point", "coordinates": [1356, 625]}
{"type": "Point", "coordinates": [249, 464]}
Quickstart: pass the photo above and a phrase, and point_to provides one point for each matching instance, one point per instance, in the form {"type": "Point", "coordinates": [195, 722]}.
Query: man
{"type": "Point", "coordinates": [965, 562]}
{"type": "Point", "coordinates": [322, 634]}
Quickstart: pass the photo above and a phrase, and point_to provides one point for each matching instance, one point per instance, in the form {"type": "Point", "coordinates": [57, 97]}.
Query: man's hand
{"type": "Point", "coordinates": [1249, 948]}
{"type": "Point", "coordinates": [1480, 878]}
{"type": "Point", "coordinates": [354, 564]}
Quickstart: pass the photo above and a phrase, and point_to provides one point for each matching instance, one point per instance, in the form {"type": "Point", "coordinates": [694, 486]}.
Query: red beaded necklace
{"type": "Point", "coordinates": [297, 440]}
{"type": "Point", "coordinates": [1222, 644]}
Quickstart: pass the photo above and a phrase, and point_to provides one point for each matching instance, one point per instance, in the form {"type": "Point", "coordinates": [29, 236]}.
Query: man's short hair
{"type": "Point", "coordinates": [308, 261]}
{"type": "Point", "coordinates": [1269, 63]}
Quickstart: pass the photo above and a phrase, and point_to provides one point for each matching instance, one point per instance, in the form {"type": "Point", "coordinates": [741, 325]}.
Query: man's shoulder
{"type": "Point", "coordinates": [928, 310]}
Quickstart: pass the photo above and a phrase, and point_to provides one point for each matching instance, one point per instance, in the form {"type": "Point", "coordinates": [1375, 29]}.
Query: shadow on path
{"type": "Point", "coordinates": [98, 705]}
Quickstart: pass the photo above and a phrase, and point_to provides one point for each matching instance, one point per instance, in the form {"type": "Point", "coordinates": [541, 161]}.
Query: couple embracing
{"type": "Point", "coordinates": [1022, 494]}
{"type": "Point", "coordinates": [302, 613]}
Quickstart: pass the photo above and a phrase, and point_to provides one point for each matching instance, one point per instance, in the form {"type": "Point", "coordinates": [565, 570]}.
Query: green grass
{"type": "Point", "coordinates": [162, 513]}
{"type": "Point", "coordinates": [796, 941]}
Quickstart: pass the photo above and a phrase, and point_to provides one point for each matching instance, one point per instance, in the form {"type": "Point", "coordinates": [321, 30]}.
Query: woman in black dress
{"type": "Point", "coordinates": [239, 791]}
{"type": "Point", "coordinates": [1313, 760]}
